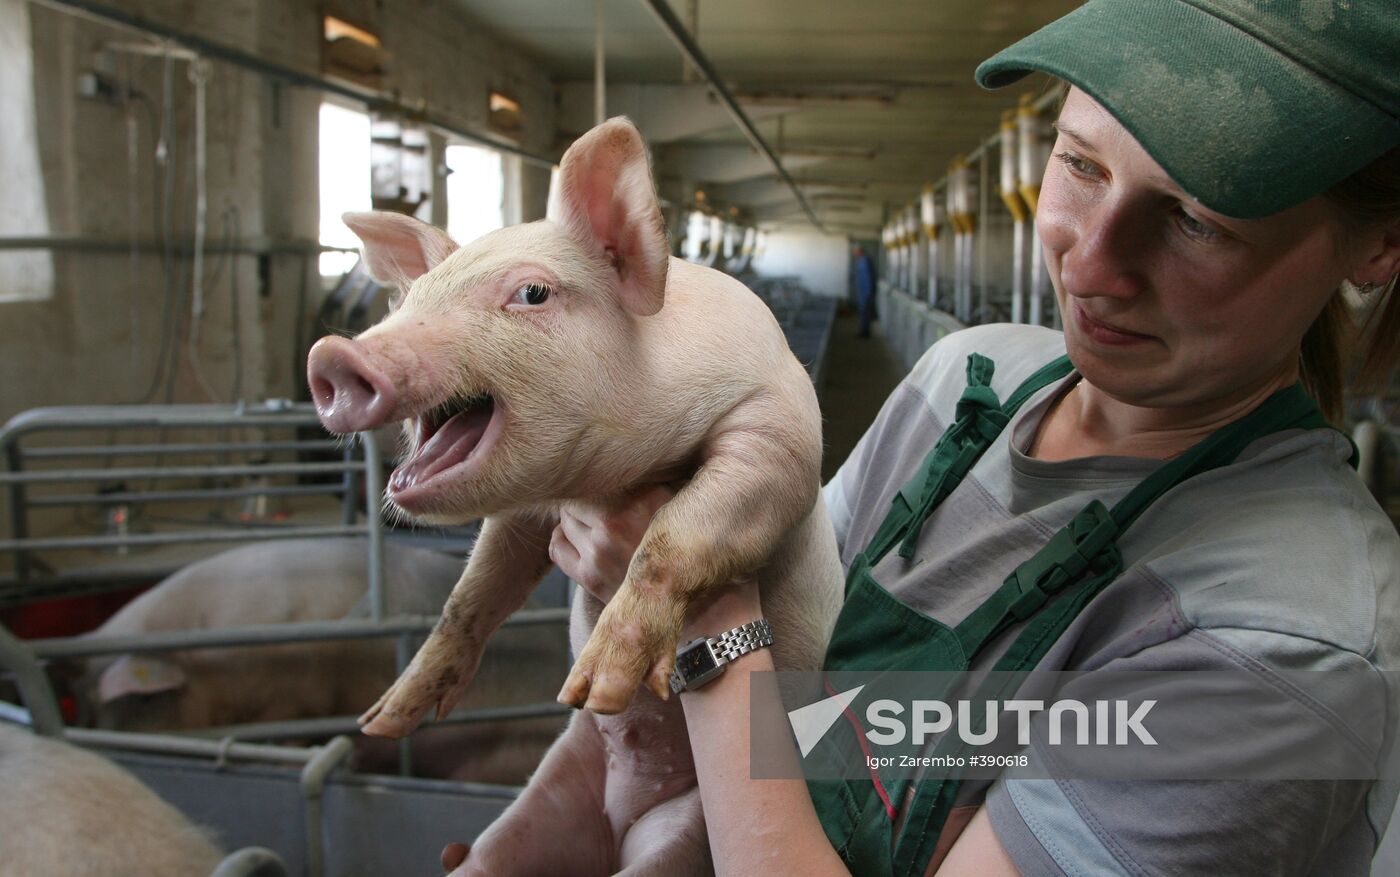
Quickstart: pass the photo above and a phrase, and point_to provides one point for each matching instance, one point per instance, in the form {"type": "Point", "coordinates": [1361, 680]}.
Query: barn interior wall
{"type": "Point", "coordinates": [98, 338]}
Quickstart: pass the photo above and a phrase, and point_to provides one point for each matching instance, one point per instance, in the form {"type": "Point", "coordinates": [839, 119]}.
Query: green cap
{"type": "Point", "coordinates": [1251, 106]}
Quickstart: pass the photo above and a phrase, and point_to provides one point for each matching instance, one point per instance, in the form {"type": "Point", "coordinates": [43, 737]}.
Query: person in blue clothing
{"type": "Point", "coordinates": [1225, 180]}
{"type": "Point", "coordinates": [865, 288]}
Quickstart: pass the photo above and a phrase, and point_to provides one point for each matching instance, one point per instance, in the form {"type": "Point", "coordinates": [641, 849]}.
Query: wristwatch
{"type": "Point", "coordinates": [700, 661]}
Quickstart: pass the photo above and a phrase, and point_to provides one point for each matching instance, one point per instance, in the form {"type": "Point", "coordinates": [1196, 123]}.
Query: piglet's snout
{"type": "Point", "coordinates": [350, 392]}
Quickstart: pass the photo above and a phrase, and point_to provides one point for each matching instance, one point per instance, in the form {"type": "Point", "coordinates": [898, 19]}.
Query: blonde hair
{"type": "Point", "coordinates": [1335, 346]}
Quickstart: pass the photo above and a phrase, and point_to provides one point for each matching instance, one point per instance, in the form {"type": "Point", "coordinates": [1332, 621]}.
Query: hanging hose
{"type": "Point", "coordinates": [199, 77]}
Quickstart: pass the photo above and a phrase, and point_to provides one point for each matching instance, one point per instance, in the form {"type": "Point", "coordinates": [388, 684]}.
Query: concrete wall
{"type": "Point", "coordinates": [99, 338]}
{"type": "Point", "coordinates": [820, 262]}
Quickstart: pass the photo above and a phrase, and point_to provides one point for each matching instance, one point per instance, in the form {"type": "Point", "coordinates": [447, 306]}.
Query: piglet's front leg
{"type": "Point", "coordinates": [510, 558]}
{"type": "Point", "coordinates": [752, 487]}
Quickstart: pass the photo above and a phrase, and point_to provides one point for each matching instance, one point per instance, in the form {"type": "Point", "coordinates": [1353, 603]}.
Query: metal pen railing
{"type": "Point", "coordinates": [360, 465]}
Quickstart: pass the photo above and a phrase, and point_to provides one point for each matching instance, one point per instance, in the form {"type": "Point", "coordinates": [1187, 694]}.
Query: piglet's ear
{"type": "Point", "coordinates": [137, 674]}
{"type": "Point", "coordinates": [399, 249]}
{"type": "Point", "coordinates": [605, 200]}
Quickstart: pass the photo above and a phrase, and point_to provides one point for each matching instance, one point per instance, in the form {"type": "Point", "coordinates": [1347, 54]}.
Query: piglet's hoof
{"type": "Point", "coordinates": [453, 855]}
{"type": "Point", "coordinates": [633, 644]}
{"type": "Point", "coordinates": [427, 683]}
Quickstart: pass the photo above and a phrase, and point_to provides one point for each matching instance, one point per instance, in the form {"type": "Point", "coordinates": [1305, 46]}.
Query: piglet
{"type": "Point", "coordinates": [573, 361]}
{"type": "Point", "coordinates": [64, 810]}
{"type": "Point", "coordinates": [301, 580]}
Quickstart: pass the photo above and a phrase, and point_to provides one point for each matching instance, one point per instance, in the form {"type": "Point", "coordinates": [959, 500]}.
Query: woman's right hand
{"type": "Point", "coordinates": [594, 546]}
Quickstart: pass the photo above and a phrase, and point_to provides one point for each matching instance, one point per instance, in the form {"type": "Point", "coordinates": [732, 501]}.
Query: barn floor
{"type": "Point", "coordinates": [860, 374]}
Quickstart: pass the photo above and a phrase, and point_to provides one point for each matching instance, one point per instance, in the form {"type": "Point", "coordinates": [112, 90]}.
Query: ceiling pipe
{"type": "Point", "coordinates": [676, 30]}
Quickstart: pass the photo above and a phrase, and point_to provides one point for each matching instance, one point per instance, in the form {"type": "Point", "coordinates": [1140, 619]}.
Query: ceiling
{"type": "Point", "coordinates": [864, 102]}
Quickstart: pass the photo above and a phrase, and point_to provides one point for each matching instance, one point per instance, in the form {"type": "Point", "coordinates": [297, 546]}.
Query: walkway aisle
{"type": "Point", "coordinates": [860, 374]}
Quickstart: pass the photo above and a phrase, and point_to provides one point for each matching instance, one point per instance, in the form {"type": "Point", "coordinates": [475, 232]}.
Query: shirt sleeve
{"type": "Point", "coordinates": [1075, 826]}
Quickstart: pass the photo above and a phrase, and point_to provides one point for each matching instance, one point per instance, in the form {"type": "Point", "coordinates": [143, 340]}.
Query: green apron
{"type": "Point", "coordinates": [877, 633]}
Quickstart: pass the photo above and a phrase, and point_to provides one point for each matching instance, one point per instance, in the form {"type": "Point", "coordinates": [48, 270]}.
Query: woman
{"type": "Point", "coordinates": [1221, 169]}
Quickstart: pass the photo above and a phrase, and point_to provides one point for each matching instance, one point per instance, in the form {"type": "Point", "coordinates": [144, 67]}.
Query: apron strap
{"type": "Point", "coordinates": [1088, 542]}
{"type": "Point", "coordinates": [979, 419]}
{"type": "Point", "coordinates": [1087, 545]}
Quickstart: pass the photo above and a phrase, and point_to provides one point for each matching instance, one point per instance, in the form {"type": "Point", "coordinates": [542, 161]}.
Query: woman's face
{"type": "Point", "coordinates": [1166, 303]}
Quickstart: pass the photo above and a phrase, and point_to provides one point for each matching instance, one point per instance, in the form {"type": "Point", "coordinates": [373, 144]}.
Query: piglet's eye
{"type": "Point", "coordinates": [531, 294]}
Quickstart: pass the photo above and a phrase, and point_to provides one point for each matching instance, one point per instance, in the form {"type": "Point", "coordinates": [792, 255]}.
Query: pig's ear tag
{"type": "Point", "coordinates": [132, 674]}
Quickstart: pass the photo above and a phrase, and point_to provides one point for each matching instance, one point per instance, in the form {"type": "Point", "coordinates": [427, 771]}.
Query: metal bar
{"type": "Point", "coordinates": [1366, 435]}
{"type": "Point", "coordinates": [180, 495]}
{"type": "Point", "coordinates": [330, 725]}
{"type": "Point", "coordinates": [984, 209]}
{"type": "Point", "coordinates": [90, 244]}
{"type": "Point", "coordinates": [1038, 281]}
{"type": "Point", "coordinates": [73, 475]}
{"type": "Point", "coordinates": [251, 862]}
{"type": "Point", "coordinates": [374, 481]}
{"type": "Point", "coordinates": [17, 715]}
{"type": "Point", "coordinates": [403, 653]}
{"type": "Point", "coordinates": [173, 449]}
{"type": "Point", "coordinates": [67, 543]}
{"type": "Point", "coordinates": [1018, 272]}
{"type": "Point", "coordinates": [262, 634]}
{"type": "Point", "coordinates": [313, 786]}
{"type": "Point", "coordinates": [274, 413]}
{"type": "Point", "coordinates": [171, 744]}
{"type": "Point", "coordinates": [19, 513]}
{"type": "Point", "coordinates": [349, 497]}
{"type": "Point", "coordinates": [691, 50]}
{"type": "Point", "coordinates": [373, 98]}
{"type": "Point", "coordinates": [20, 659]}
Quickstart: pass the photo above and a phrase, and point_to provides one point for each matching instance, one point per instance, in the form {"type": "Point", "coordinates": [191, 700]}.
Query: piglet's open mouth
{"type": "Point", "coordinates": [448, 435]}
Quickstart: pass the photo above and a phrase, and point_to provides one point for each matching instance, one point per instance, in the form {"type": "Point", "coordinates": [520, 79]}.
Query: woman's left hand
{"type": "Point", "coordinates": [594, 547]}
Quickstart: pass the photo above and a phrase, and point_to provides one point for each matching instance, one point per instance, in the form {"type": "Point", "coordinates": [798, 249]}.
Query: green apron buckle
{"type": "Point", "coordinates": [1063, 559]}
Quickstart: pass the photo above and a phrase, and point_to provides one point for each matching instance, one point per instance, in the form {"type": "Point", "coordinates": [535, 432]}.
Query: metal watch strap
{"type": "Point", "coordinates": [703, 660]}
{"type": "Point", "coordinates": [741, 640]}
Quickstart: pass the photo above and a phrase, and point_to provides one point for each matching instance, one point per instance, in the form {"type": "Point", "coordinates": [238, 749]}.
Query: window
{"type": "Point", "coordinates": [25, 275]}
{"type": "Point", "coordinates": [345, 181]}
{"type": "Point", "coordinates": [475, 192]}
{"type": "Point", "coordinates": [553, 191]}
{"type": "Point", "coordinates": [697, 228]}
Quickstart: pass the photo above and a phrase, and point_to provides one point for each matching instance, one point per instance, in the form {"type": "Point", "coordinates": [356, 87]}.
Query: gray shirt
{"type": "Point", "coordinates": [1281, 560]}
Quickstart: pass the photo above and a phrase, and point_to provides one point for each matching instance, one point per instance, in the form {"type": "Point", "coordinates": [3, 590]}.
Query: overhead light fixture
{"type": "Point", "coordinates": [499, 103]}
{"type": "Point", "coordinates": [504, 113]}
{"type": "Point", "coordinates": [336, 29]}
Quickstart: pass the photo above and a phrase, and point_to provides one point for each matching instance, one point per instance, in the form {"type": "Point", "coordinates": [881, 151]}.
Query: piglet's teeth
{"type": "Point", "coordinates": [451, 443]}
{"type": "Point", "coordinates": [402, 479]}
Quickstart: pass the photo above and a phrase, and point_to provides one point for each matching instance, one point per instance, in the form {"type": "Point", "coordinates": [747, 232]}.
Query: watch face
{"type": "Point", "coordinates": [695, 662]}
